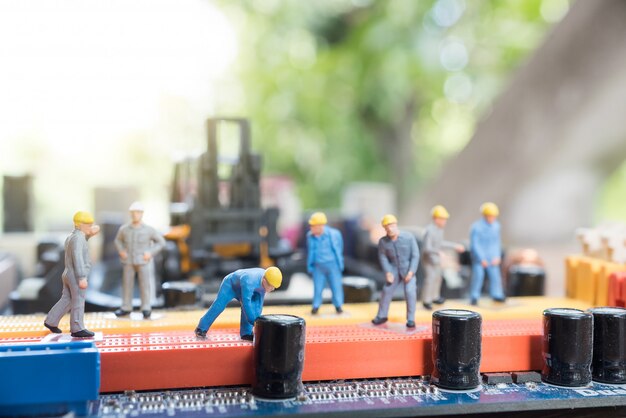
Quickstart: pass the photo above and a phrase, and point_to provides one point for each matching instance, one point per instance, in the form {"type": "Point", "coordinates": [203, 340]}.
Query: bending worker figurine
{"type": "Point", "coordinates": [249, 287]}
{"type": "Point", "coordinates": [486, 252]}
{"type": "Point", "coordinates": [432, 244]}
{"type": "Point", "coordinates": [399, 256]}
{"type": "Point", "coordinates": [325, 260]}
{"type": "Point", "coordinates": [137, 243]}
{"type": "Point", "coordinates": [77, 266]}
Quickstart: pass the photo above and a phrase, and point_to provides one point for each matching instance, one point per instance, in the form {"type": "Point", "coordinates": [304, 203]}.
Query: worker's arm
{"type": "Point", "coordinates": [158, 242]}
{"type": "Point", "coordinates": [415, 256]}
{"type": "Point", "coordinates": [478, 252]}
{"type": "Point", "coordinates": [120, 242]}
{"type": "Point", "coordinates": [310, 253]}
{"type": "Point", "coordinates": [382, 258]}
{"type": "Point", "coordinates": [337, 242]}
{"type": "Point", "coordinates": [247, 290]}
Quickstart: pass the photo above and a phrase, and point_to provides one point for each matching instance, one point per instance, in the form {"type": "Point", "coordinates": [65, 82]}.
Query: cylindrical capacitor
{"type": "Point", "coordinates": [609, 345]}
{"type": "Point", "coordinates": [278, 356]}
{"type": "Point", "coordinates": [456, 349]}
{"type": "Point", "coordinates": [567, 345]}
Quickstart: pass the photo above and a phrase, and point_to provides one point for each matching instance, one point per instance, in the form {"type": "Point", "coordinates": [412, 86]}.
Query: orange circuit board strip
{"type": "Point", "coordinates": [177, 360]}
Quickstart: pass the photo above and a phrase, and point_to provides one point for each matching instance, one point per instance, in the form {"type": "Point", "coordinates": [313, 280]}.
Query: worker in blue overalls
{"type": "Point", "coordinates": [325, 260]}
{"type": "Point", "coordinates": [249, 287]}
{"type": "Point", "coordinates": [486, 253]}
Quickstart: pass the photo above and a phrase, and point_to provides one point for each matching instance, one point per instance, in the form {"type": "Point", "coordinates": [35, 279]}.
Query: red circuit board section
{"type": "Point", "coordinates": [176, 359]}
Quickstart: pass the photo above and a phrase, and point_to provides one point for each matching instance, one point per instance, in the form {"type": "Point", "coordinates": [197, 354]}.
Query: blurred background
{"type": "Point", "coordinates": [357, 108]}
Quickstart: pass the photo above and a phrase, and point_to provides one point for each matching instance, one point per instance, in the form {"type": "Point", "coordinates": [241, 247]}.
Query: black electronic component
{"type": "Point", "coordinates": [456, 349]}
{"type": "Point", "coordinates": [526, 377]}
{"type": "Point", "coordinates": [567, 345]}
{"type": "Point", "coordinates": [278, 356]}
{"type": "Point", "coordinates": [497, 378]}
{"type": "Point", "coordinates": [180, 294]}
{"type": "Point", "coordinates": [609, 345]}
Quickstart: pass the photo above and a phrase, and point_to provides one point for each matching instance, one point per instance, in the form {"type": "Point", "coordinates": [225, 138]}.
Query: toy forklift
{"type": "Point", "coordinates": [218, 225]}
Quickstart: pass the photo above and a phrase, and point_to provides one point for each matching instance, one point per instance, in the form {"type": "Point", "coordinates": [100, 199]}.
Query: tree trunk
{"type": "Point", "coordinates": [553, 137]}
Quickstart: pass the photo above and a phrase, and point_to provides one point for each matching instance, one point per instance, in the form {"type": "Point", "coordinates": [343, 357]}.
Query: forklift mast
{"type": "Point", "coordinates": [227, 224]}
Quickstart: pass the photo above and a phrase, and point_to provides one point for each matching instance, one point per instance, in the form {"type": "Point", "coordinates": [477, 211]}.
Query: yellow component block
{"type": "Point", "coordinates": [25, 326]}
{"type": "Point", "coordinates": [587, 279]}
{"type": "Point", "coordinates": [571, 270]}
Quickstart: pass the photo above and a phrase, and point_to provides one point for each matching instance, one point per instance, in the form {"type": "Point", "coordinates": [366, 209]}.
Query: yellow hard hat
{"type": "Point", "coordinates": [82, 217]}
{"type": "Point", "coordinates": [489, 209]}
{"type": "Point", "coordinates": [136, 207]}
{"type": "Point", "coordinates": [439, 212]}
{"type": "Point", "coordinates": [389, 219]}
{"type": "Point", "coordinates": [273, 276]}
{"type": "Point", "coordinates": [318, 218]}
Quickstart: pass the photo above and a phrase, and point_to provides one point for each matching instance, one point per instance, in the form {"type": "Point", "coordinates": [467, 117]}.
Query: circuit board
{"type": "Point", "coordinates": [413, 396]}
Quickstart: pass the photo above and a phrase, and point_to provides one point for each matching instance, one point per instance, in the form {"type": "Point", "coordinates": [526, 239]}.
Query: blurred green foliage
{"type": "Point", "coordinates": [341, 91]}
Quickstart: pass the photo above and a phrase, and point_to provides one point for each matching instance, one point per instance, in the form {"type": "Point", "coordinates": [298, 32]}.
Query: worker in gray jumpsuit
{"type": "Point", "coordinates": [432, 244]}
{"type": "Point", "coordinates": [77, 266]}
{"type": "Point", "coordinates": [399, 256]}
{"type": "Point", "coordinates": [137, 243]}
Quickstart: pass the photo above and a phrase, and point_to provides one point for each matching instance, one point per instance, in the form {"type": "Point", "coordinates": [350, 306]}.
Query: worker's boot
{"type": "Point", "coordinates": [56, 330]}
{"type": "Point", "coordinates": [83, 333]}
{"type": "Point", "coordinates": [121, 312]}
{"type": "Point", "coordinates": [378, 321]}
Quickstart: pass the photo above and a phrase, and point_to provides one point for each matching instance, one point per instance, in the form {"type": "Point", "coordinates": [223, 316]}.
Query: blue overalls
{"type": "Point", "coordinates": [245, 286]}
{"type": "Point", "coordinates": [325, 263]}
{"type": "Point", "coordinates": [485, 245]}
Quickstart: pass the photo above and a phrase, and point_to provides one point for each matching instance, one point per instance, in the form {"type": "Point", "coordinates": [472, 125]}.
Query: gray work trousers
{"type": "Point", "coordinates": [73, 301]}
{"type": "Point", "coordinates": [128, 284]}
{"type": "Point", "coordinates": [432, 282]}
{"type": "Point", "coordinates": [410, 293]}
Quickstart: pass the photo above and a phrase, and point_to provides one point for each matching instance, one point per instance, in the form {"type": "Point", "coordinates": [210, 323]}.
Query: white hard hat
{"type": "Point", "coordinates": [136, 206]}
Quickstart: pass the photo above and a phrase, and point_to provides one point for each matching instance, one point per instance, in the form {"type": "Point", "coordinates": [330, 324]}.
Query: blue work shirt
{"type": "Point", "coordinates": [248, 288]}
{"type": "Point", "coordinates": [400, 256]}
{"type": "Point", "coordinates": [485, 241]}
{"type": "Point", "coordinates": [325, 249]}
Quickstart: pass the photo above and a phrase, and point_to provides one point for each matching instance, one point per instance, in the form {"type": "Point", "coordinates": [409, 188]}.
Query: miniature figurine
{"type": "Point", "coordinates": [137, 244]}
{"type": "Point", "coordinates": [77, 266]}
{"type": "Point", "coordinates": [486, 251]}
{"type": "Point", "coordinates": [432, 244]}
{"type": "Point", "coordinates": [399, 257]}
{"type": "Point", "coordinates": [249, 287]}
{"type": "Point", "coordinates": [325, 260]}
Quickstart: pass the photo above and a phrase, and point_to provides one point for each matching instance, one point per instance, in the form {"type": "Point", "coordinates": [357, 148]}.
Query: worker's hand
{"type": "Point", "coordinates": [82, 283]}
{"type": "Point", "coordinates": [484, 263]}
{"type": "Point", "coordinates": [389, 278]}
{"type": "Point", "coordinates": [496, 261]}
{"type": "Point", "coordinates": [459, 249]}
{"type": "Point", "coordinates": [94, 230]}
{"type": "Point", "coordinates": [408, 277]}
{"type": "Point", "coordinates": [147, 256]}
{"type": "Point", "coordinates": [123, 255]}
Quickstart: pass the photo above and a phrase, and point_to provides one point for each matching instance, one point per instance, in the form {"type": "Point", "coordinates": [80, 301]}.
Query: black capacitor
{"type": "Point", "coordinates": [278, 356]}
{"type": "Point", "coordinates": [456, 349]}
{"type": "Point", "coordinates": [567, 345]}
{"type": "Point", "coordinates": [609, 345]}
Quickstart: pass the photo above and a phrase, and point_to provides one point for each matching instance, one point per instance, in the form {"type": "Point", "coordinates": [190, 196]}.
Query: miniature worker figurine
{"type": "Point", "coordinates": [325, 260]}
{"type": "Point", "coordinates": [77, 266]}
{"type": "Point", "coordinates": [486, 251]}
{"type": "Point", "coordinates": [249, 287]}
{"type": "Point", "coordinates": [137, 243]}
{"type": "Point", "coordinates": [399, 256]}
{"type": "Point", "coordinates": [432, 246]}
